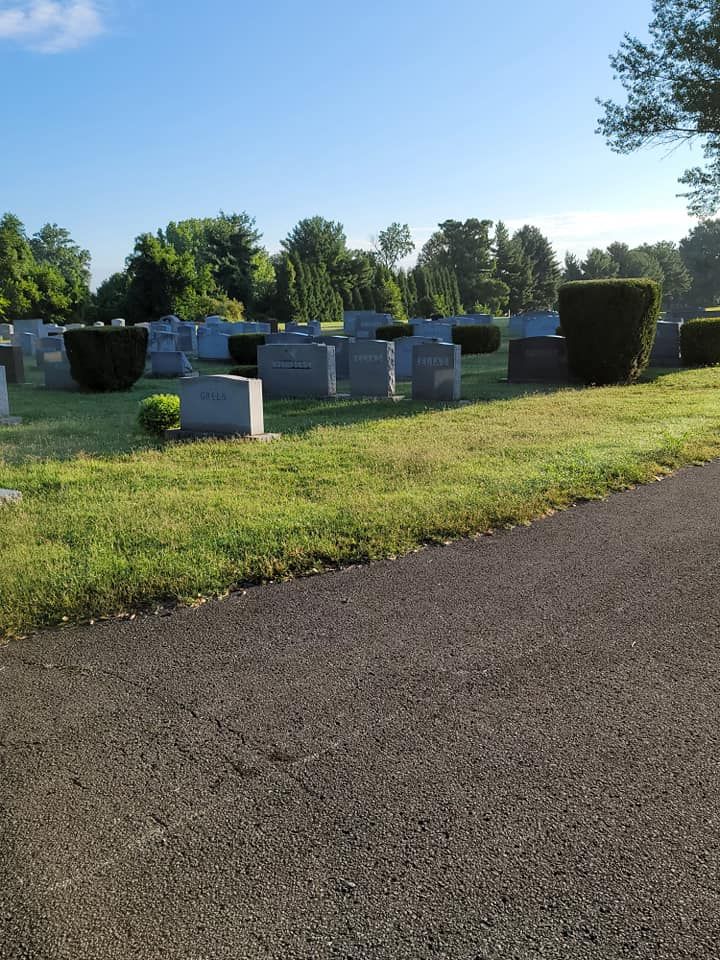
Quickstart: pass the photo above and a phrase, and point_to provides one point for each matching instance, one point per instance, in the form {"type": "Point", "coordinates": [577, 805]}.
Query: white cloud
{"type": "Point", "coordinates": [578, 231]}
{"type": "Point", "coordinates": [50, 26]}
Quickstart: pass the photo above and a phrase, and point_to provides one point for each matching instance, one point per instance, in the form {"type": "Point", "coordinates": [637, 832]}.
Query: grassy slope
{"type": "Point", "coordinates": [111, 520]}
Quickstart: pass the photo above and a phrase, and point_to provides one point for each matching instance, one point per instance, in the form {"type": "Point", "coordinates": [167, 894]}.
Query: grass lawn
{"type": "Point", "coordinates": [112, 520]}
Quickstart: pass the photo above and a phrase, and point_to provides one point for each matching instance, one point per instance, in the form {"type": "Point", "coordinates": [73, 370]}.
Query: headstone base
{"type": "Point", "coordinates": [10, 421]}
{"type": "Point", "coordinates": [179, 435]}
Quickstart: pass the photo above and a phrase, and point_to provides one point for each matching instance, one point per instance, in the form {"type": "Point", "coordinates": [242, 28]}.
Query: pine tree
{"type": "Point", "coordinates": [513, 268]}
{"type": "Point", "coordinates": [544, 266]}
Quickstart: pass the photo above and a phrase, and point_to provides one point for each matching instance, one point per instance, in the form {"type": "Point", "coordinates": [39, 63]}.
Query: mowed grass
{"type": "Point", "coordinates": [112, 520]}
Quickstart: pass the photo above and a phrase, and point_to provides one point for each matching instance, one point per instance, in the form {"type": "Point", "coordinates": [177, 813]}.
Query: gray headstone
{"type": "Point", "coordinates": [187, 338]}
{"type": "Point", "coordinates": [6, 331]}
{"type": "Point", "coordinates": [342, 354]}
{"type": "Point", "coordinates": [436, 330]}
{"type": "Point", "coordinates": [5, 419]}
{"type": "Point", "coordinates": [11, 358]}
{"type": "Point", "coordinates": [212, 344]}
{"type": "Point", "coordinates": [57, 374]}
{"type": "Point", "coordinates": [170, 364]}
{"type": "Point", "coordinates": [4, 398]}
{"type": "Point", "coordinates": [297, 370]}
{"type": "Point", "coordinates": [48, 345]}
{"type": "Point", "coordinates": [117, 322]}
{"type": "Point", "coordinates": [539, 324]}
{"type": "Point", "coordinates": [436, 372]}
{"type": "Point", "coordinates": [222, 405]}
{"type": "Point", "coordinates": [404, 355]}
{"type": "Point", "coordinates": [27, 343]}
{"type": "Point", "coordinates": [666, 348]}
{"type": "Point", "coordinates": [288, 338]}
{"type": "Point", "coordinates": [538, 360]}
{"type": "Point", "coordinates": [372, 368]}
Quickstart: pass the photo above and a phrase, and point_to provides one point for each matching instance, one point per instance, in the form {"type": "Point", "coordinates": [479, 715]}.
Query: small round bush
{"type": "Point", "coordinates": [477, 338]}
{"type": "Point", "coordinates": [159, 413]}
{"type": "Point", "coordinates": [700, 342]}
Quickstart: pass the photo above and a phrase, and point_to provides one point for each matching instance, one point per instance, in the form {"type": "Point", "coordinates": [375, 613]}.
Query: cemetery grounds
{"type": "Point", "coordinates": [113, 521]}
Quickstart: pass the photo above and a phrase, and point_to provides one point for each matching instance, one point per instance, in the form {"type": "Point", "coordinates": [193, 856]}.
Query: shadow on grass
{"type": "Point", "coordinates": [60, 425]}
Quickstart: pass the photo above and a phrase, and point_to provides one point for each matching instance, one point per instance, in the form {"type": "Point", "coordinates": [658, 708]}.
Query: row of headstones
{"type": "Point", "coordinates": [233, 406]}
{"type": "Point", "coordinates": [543, 359]}
{"type": "Point", "coordinates": [310, 369]}
{"type": "Point", "coordinates": [362, 324]}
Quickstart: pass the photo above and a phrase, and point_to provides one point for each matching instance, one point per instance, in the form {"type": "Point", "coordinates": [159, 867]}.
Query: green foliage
{"type": "Point", "coordinates": [700, 252]}
{"type": "Point", "coordinates": [249, 371]}
{"type": "Point", "coordinates": [464, 249]}
{"type": "Point", "coordinates": [514, 269]}
{"type": "Point", "coordinates": [46, 276]}
{"type": "Point", "coordinates": [599, 265]}
{"type": "Point", "coordinates": [224, 250]}
{"type": "Point", "coordinates": [110, 300]}
{"type": "Point", "coordinates": [67, 269]}
{"type": "Point", "coordinates": [159, 413]}
{"type": "Point", "coordinates": [107, 358]}
{"type": "Point", "coordinates": [544, 270]}
{"type": "Point", "coordinates": [672, 87]}
{"type": "Point", "coordinates": [393, 331]}
{"type": "Point", "coordinates": [700, 342]}
{"type": "Point", "coordinates": [609, 326]}
{"type": "Point", "coordinates": [477, 338]}
{"type": "Point", "coordinates": [243, 347]}
{"type": "Point", "coordinates": [573, 268]}
{"type": "Point", "coordinates": [393, 244]}
{"type": "Point", "coordinates": [390, 300]}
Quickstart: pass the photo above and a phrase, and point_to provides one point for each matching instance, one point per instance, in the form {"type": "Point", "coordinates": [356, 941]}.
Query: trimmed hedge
{"type": "Point", "coordinates": [243, 347]}
{"type": "Point", "coordinates": [700, 342]}
{"type": "Point", "coordinates": [393, 331]}
{"type": "Point", "coordinates": [477, 338]}
{"type": "Point", "coordinates": [159, 413]}
{"type": "Point", "coordinates": [610, 327]}
{"type": "Point", "coordinates": [104, 359]}
{"type": "Point", "coordinates": [248, 371]}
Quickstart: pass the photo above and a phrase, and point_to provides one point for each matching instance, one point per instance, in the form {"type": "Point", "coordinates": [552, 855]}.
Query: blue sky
{"type": "Point", "coordinates": [120, 115]}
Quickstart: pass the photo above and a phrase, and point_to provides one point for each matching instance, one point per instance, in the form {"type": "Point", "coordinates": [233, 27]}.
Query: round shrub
{"type": "Point", "coordinates": [700, 342]}
{"type": "Point", "coordinates": [477, 338]}
{"type": "Point", "coordinates": [159, 413]}
{"type": "Point", "coordinates": [107, 358]}
{"type": "Point", "coordinates": [243, 347]}
{"type": "Point", "coordinates": [393, 331]}
{"type": "Point", "coordinates": [610, 327]}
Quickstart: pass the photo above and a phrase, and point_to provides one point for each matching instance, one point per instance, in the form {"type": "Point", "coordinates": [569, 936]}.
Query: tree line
{"type": "Point", "coordinates": [217, 265]}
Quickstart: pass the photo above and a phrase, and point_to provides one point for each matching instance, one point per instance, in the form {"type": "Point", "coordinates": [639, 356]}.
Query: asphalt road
{"type": "Point", "coordinates": [504, 748]}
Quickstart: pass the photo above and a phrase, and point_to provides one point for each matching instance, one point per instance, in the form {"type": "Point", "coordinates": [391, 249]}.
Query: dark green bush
{"type": "Point", "coordinates": [159, 413]}
{"type": "Point", "coordinates": [393, 331]}
{"type": "Point", "coordinates": [107, 358]}
{"type": "Point", "coordinates": [609, 326]}
{"type": "Point", "coordinates": [700, 342]}
{"type": "Point", "coordinates": [243, 347]}
{"type": "Point", "coordinates": [477, 338]}
{"type": "Point", "coordinates": [249, 371]}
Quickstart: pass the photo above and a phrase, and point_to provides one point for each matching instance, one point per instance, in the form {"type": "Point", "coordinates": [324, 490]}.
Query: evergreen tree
{"type": "Point", "coordinates": [513, 268]}
{"type": "Point", "coordinates": [573, 268]}
{"type": "Point", "coordinates": [545, 271]}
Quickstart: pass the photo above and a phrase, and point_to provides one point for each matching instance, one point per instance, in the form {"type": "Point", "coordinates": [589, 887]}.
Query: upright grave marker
{"type": "Point", "coordinates": [297, 370]}
{"type": "Point", "coordinates": [5, 419]}
{"type": "Point", "coordinates": [538, 360]}
{"type": "Point", "coordinates": [11, 357]}
{"type": "Point", "coordinates": [372, 368]}
{"type": "Point", "coordinates": [436, 372]}
{"type": "Point", "coordinates": [221, 406]}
